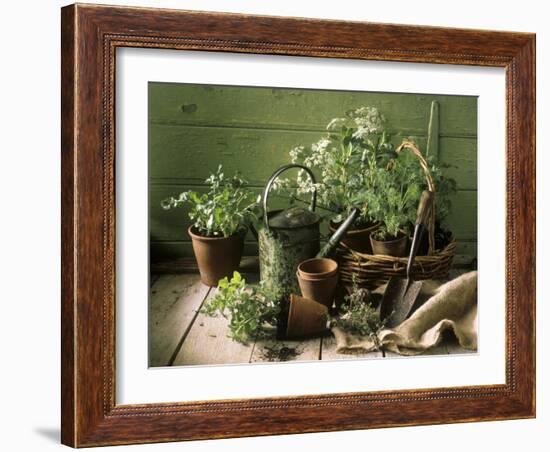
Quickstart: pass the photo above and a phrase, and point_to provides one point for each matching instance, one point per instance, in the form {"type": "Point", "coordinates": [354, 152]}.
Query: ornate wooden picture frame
{"type": "Point", "coordinates": [90, 37]}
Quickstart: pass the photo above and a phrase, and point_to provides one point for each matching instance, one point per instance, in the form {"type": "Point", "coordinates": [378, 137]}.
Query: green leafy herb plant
{"type": "Point", "coordinates": [359, 168]}
{"type": "Point", "coordinates": [343, 158]}
{"type": "Point", "coordinates": [394, 196]}
{"type": "Point", "coordinates": [249, 308]}
{"type": "Point", "coordinates": [358, 316]}
{"type": "Point", "coordinates": [395, 193]}
{"type": "Point", "coordinates": [228, 206]}
{"type": "Point", "coordinates": [445, 188]}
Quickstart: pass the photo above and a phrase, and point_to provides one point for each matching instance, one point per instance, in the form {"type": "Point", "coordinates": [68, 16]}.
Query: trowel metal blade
{"type": "Point", "coordinates": [399, 298]}
{"type": "Point", "coordinates": [395, 290]}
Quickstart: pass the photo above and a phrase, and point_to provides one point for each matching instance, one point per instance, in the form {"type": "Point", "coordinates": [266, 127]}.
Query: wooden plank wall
{"type": "Point", "coordinates": [194, 128]}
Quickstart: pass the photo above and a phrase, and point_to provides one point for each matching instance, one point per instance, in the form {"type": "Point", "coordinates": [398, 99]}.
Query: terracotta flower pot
{"type": "Point", "coordinates": [317, 268]}
{"type": "Point", "coordinates": [217, 257]}
{"type": "Point", "coordinates": [318, 279]}
{"type": "Point", "coordinates": [395, 248]}
{"type": "Point", "coordinates": [356, 239]}
{"type": "Point", "coordinates": [306, 318]}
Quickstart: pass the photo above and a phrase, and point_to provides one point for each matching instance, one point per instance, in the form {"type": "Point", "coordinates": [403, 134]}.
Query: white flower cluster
{"type": "Point", "coordinates": [281, 183]}
{"type": "Point", "coordinates": [305, 184]}
{"type": "Point", "coordinates": [368, 120]}
{"type": "Point", "coordinates": [319, 153]}
{"type": "Point", "coordinates": [337, 123]}
{"type": "Point", "coordinates": [296, 153]}
{"type": "Point", "coordinates": [319, 157]}
{"type": "Point", "coordinates": [340, 158]}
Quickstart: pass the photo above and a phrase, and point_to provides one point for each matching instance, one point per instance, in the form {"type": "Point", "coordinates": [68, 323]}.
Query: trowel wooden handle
{"type": "Point", "coordinates": [424, 206]}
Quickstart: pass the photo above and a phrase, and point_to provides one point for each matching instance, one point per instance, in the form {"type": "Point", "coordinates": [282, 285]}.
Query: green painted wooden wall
{"type": "Point", "coordinates": [194, 128]}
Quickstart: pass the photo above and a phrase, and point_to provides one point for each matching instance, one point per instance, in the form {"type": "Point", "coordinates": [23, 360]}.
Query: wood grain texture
{"type": "Point", "coordinates": [248, 150]}
{"type": "Point", "coordinates": [303, 350]}
{"type": "Point", "coordinates": [203, 340]}
{"type": "Point", "coordinates": [210, 334]}
{"type": "Point", "coordinates": [432, 146]}
{"type": "Point", "coordinates": [175, 302]}
{"type": "Point", "coordinates": [195, 105]}
{"type": "Point", "coordinates": [68, 243]}
{"type": "Point", "coordinates": [90, 415]}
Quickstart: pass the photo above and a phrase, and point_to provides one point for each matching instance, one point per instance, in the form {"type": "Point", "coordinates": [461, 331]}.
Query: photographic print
{"type": "Point", "coordinates": [302, 224]}
{"type": "Point", "coordinates": [247, 203]}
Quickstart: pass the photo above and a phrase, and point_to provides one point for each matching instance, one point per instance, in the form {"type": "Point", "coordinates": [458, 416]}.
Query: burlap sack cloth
{"type": "Point", "coordinates": [450, 306]}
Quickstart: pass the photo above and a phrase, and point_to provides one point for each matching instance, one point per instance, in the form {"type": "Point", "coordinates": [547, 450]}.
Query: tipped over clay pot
{"type": "Point", "coordinates": [318, 278]}
{"type": "Point", "coordinates": [306, 318]}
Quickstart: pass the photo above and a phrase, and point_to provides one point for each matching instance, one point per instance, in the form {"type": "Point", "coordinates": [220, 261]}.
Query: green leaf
{"type": "Point", "coordinates": [223, 210]}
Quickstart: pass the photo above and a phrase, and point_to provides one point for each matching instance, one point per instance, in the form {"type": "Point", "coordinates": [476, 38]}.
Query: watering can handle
{"type": "Point", "coordinates": [272, 179]}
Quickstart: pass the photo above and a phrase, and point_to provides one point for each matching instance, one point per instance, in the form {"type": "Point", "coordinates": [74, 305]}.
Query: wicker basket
{"type": "Point", "coordinates": [373, 270]}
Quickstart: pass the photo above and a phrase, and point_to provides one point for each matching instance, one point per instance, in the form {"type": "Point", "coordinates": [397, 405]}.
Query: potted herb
{"type": "Point", "coordinates": [344, 157]}
{"type": "Point", "coordinates": [393, 201]}
{"type": "Point", "coordinates": [220, 220]}
{"type": "Point", "coordinates": [249, 309]}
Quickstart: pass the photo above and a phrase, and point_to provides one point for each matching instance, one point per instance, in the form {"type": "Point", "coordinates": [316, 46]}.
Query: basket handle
{"type": "Point", "coordinates": [430, 217]}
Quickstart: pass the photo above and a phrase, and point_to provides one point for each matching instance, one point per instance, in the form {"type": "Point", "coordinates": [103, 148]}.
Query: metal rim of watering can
{"type": "Point", "coordinates": [272, 179]}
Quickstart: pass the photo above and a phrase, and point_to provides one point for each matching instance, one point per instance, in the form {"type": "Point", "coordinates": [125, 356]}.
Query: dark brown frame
{"type": "Point", "coordinates": [90, 35]}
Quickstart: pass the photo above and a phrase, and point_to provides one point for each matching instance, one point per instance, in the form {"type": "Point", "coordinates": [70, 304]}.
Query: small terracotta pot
{"type": "Point", "coordinates": [217, 257]}
{"type": "Point", "coordinates": [356, 239]}
{"type": "Point", "coordinates": [395, 248]}
{"type": "Point", "coordinates": [306, 318]}
{"type": "Point", "coordinates": [317, 268]}
{"type": "Point", "coordinates": [318, 279]}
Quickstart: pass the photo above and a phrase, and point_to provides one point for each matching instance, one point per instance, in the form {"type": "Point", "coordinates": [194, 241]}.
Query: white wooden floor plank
{"type": "Point", "coordinates": [173, 305]}
{"type": "Point", "coordinates": [207, 343]}
{"type": "Point", "coordinates": [273, 350]}
{"type": "Point", "coordinates": [175, 300]}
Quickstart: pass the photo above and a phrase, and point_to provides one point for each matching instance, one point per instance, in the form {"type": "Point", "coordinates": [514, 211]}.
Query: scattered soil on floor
{"type": "Point", "coordinates": [276, 353]}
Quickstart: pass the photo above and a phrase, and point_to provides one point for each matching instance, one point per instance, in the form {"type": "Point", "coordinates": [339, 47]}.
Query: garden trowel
{"type": "Point", "coordinates": [401, 293]}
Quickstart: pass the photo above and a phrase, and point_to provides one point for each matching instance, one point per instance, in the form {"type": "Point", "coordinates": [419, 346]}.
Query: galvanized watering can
{"type": "Point", "coordinates": [288, 237]}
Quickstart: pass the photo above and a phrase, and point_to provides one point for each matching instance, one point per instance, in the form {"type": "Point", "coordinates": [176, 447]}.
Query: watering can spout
{"type": "Point", "coordinates": [333, 241]}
